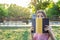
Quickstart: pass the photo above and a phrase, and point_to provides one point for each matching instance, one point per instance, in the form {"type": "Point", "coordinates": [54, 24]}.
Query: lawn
{"type": "Point", "coordinates": [15, 33]}
{"type": "Point", "coordinates": [56, 30]}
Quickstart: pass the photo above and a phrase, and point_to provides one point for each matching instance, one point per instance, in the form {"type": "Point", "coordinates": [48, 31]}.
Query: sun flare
{"type": "Point", "coordinates": [23, 3]}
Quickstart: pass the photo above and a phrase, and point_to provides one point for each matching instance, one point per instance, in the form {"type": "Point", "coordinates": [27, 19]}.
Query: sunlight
{"type": "Point", "coordinates": [23, 3]}
{"type": "Point", "coordinates": [55, 1]}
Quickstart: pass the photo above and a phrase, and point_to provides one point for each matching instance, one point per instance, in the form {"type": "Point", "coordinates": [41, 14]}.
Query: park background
{"type": "Point", "coordinates": [19, 12]}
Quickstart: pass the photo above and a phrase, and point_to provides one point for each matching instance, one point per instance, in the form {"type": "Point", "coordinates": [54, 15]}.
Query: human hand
{"type": "Point", "coordinates": [47, 28]}
{"type": "Point", "coordinates": [32, 28]}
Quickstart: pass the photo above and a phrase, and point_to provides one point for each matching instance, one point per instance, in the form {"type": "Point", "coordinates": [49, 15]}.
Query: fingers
{"type": "Point", "coordinates": [46, 25]}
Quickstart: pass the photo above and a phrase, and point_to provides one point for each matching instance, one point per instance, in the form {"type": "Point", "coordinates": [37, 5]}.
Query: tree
{"type": "Point", "coordinates": [3, 12]}
{"type": "Point", "coordinates": [18, 11]}
{"type": "Point", "coordinates": [40, 4]}
{"type": "Point", "coordinates": [53, 11]}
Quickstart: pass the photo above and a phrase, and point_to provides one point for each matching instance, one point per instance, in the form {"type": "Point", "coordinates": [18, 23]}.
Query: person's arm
{"type": "Point", "coordinates": [52, 36]}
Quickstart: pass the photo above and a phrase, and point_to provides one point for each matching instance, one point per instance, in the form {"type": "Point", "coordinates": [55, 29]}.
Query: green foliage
{"type": "Point", "coordinates": [18, 11]}
{"type": "Point", "coordinates": [13, 11]}
{"type": "Point", "coordinates": [15, 34]}
{"type": "Point", "coordinates": [56, 30]}
{"type": "Point", "coordinates": [40, 4]}
{"type": "Point", "coordinates": [53, 10]}
{"type": "Point", "coordinates": [3, 11]}
{"type": "Point", "coordinates": [25, 35]}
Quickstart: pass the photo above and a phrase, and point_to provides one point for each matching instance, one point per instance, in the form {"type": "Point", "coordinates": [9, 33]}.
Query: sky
{"type": "Point", "coordinates": [55, 0]}
{"type": "Point", "coordinates": [23, 3]}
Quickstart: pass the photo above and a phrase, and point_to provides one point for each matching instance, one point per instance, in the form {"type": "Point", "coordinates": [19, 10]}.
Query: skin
{"type": "Point", "coordinates": [40, 15]}
{"type": "Point", "coordinates": [50, 32]}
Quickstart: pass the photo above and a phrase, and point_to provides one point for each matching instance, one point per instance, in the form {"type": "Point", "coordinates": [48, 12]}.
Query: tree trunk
{"type": "Point", "coordinates": [1, 20]}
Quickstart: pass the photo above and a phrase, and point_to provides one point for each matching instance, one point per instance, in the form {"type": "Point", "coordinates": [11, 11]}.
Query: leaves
{"type": "Point", "coordinates": [56, 30]}
{"type": "Point", "coordinates": [15, 34]}
{"type": "Point", "coordinates": [53, 10]}
{"type": "Point", "coordinates": [40, 4]}
{"type": "Point", "coordinates": [3, 11]}
{"type": "Point", "coordinates": [18, 11]}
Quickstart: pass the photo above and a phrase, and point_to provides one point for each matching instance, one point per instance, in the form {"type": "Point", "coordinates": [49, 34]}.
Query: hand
{"type": "Point", "coordinates": [47, 28]}
{"type": "Point", "coordinates": [32, 28]}
{"type": "Point", "coordinates": [50, 32]}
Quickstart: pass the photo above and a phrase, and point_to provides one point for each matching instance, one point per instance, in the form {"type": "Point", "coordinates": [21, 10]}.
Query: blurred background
{"type": "Point", "coordinates": [19, 12]}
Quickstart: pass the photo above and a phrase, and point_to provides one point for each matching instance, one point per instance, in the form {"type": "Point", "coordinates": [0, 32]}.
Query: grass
{"type": "Point", "coordinates": [17, 33]}
{"type": "Point", "coordinates": [56, 30]}
{"type": "Point", "coordinates": [13, 33]}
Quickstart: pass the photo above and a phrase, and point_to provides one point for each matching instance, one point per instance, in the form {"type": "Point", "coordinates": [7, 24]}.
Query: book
{"type": "Point", "coordinates": [41, 24]}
